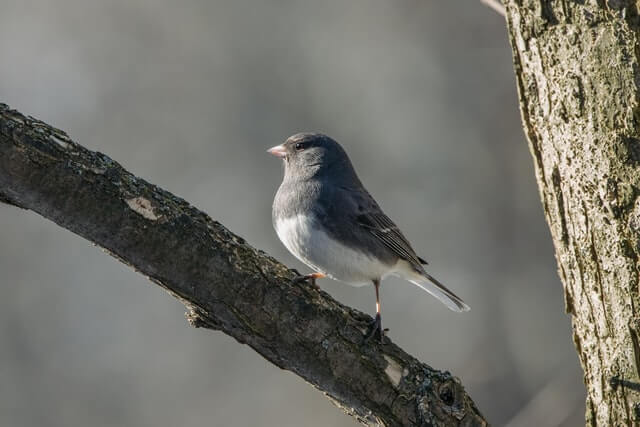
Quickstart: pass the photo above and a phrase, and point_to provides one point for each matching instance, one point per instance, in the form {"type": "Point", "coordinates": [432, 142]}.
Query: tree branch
{"type": "Point", "coordinates": [496, 5]}
{"type": "Point", "coordinates": [226, 284]}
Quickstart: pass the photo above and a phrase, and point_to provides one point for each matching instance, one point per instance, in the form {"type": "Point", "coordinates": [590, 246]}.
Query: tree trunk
{"type": "Point", "coordinates": [578, 78]}
{"type": "Point", "coordinates": [227, 284]}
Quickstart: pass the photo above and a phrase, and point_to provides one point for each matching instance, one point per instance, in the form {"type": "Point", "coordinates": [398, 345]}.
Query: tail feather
{"type": "Point", "coordinates": [438, 290]}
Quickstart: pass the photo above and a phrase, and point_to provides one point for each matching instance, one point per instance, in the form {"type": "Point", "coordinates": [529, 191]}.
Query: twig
{"type": "Point", "coordinates": [495, 5]}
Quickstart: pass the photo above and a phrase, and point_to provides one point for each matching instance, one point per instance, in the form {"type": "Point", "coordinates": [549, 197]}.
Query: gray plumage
{"type": "Point", "coordinates": [327, 219]}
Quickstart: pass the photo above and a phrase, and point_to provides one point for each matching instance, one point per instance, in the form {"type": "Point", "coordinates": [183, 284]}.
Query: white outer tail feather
{"type": "Point", "coordinates": [438, 290]}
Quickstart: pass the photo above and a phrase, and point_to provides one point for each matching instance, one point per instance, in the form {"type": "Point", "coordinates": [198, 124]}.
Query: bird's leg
{"type": "Point", "coordinates": [310, 277]}
{"type": "Point", "coordinates": [376, 325]}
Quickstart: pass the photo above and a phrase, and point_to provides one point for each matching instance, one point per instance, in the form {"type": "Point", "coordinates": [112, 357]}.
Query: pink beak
{"type": "Point", "coordinates": [278, 151]}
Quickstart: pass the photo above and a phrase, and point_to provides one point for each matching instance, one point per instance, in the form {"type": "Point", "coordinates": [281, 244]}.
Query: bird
{"type": "Point", "coordinates": [326, 218]}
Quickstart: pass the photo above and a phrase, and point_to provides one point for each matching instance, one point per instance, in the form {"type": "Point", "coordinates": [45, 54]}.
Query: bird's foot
{"type": "Point", "coordinates": [376, 330]}
{"type": "Point", "coordinates": [311, 278]}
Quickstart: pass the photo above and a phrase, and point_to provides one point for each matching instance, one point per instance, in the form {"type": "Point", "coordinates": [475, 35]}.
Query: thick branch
{"type": "Point", "coordinates": [227, 284]}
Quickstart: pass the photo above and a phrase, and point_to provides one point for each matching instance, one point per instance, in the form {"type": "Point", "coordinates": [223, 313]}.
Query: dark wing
{"type": "Point", "coordinates": [381, 226]}
{"type": "Point", "coordinates": [358, 212]}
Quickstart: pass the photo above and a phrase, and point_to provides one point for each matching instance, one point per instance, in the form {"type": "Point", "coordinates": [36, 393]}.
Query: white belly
{"type": "Point", "coordinates": [317, 250]}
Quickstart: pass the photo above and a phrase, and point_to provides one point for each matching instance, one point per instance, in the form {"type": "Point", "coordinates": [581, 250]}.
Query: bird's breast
{"type": "Point", "coordinates": [305, 239]}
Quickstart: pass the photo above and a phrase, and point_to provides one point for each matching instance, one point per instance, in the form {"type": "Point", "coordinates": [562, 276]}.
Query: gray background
{"type": "Point", "coordinates": [189, 95]}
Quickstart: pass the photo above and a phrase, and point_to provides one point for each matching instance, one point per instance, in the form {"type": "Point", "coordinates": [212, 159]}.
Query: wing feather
{"type": "Point", "coordinates": [381, 226]}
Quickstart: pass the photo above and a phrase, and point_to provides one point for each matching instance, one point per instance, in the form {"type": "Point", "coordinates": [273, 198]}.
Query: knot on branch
{"type": "Point", "coordinates": [442, 396]}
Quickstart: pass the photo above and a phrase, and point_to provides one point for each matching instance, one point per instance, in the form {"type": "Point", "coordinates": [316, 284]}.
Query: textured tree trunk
{"type": "Point", "coordinates": [577, 72]}
{"type": "Point", "coordinates": [227, 284]}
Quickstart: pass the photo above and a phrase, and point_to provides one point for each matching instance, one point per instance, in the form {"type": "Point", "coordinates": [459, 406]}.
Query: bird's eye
{"type": "Point", "coordinates": [299, 146]}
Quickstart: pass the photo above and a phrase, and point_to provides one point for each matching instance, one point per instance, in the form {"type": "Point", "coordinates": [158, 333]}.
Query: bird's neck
{"type": "Point", "coordinates": [340, 174]}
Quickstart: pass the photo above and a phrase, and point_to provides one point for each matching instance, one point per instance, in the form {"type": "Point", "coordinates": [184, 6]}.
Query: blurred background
{"type": "Point", "coordinates": [189, 95]}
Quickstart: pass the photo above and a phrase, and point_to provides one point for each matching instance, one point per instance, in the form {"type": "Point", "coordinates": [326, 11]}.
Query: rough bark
{"type": "Point", "coordinates": [226, 284]}
{"type": "Point", "coordinates": [577, 72]}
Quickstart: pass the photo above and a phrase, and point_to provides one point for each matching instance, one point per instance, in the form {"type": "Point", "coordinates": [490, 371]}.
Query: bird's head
{"type": "Point", "coordinates": [308, 155]}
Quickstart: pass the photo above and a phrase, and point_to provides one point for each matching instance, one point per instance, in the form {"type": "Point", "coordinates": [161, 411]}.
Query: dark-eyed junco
{"type": "Point", "coordinates": [329, 221]}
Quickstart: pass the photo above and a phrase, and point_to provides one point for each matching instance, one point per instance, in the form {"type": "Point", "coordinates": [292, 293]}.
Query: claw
{"type": "Point", "coordinates": [376, 330]}
{"type": "Point", "coordinates": [310, 277]}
